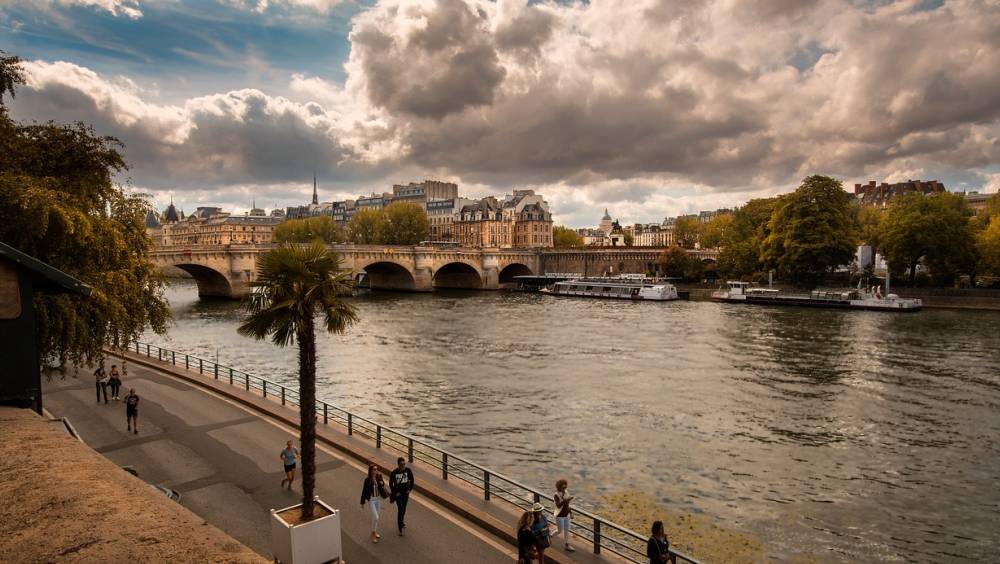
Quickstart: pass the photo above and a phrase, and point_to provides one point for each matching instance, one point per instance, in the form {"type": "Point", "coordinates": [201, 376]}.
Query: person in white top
{"type": "Point", "coordinates": [562, 500]}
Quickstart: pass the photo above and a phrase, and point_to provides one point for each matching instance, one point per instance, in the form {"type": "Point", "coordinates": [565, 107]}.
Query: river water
{"type": "Point", "coordinates": [852, 435]}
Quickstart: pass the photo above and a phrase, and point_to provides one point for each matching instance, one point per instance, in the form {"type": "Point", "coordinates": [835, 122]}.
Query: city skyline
{"type": "Point", "coordinates": [647, 108]}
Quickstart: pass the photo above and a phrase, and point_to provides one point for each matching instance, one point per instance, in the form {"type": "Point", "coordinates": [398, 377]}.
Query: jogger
{"type": "Point", "coordinates": [288, 458]}
{"type": "Point", "coordinates": [400, 484]}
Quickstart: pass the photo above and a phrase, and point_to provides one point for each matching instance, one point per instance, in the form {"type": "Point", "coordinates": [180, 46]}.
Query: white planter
{"type": "Point", "coordinates": [315, 542]}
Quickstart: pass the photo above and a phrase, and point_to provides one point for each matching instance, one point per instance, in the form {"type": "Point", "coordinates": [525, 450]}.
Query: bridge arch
{"type": "Point", "coordinates": [387, 275]}
{"type": "Point", "coordinates": [211, 282]}
{"type": "Point", "coordinates": [458, 275]}
{"type": "Point", "coordinates": [513, 269]}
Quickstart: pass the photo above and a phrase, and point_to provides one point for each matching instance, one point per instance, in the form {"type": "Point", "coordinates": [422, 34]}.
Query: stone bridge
{"type": "Point", "coordinates": [226, 270]}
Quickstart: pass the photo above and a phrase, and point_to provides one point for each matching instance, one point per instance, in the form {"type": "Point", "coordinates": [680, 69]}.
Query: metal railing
{"type": "Point", "coordinates": [603, 534]}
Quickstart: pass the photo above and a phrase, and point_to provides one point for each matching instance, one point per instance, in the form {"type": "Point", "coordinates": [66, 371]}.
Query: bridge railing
{"type": "Point", "coordinates": [602, 534]}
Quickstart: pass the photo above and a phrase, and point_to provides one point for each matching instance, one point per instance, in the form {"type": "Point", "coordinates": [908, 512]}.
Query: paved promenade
{"type": "Point", "coordinates": [223, 458]}
{"type": "Point", "coordinates": [218, 445]}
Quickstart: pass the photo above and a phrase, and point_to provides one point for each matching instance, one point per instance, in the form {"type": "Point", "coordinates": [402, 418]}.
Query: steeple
{"type": "Point", "coordinates": [315, 195]}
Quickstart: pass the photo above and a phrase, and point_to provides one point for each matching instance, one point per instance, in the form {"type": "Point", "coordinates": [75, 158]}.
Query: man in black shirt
{"type": "Point", "coordinates": [132, 411]}
{"type": "Point", "coordinates": [400, 486]}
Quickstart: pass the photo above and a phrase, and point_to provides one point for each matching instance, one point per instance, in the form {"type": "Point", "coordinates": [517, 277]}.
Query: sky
{"type": "Point", "coordinates": [649, 108]}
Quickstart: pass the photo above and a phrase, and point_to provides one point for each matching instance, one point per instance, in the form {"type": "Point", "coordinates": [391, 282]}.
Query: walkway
{"type": "Point", "coordinates": [223, 458]}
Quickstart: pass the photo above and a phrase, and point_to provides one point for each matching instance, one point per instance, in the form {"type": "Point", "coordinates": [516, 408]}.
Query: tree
{"type": "Point", "coordinates": [628, 239]}
{"type": "Point", "coordinates": [566, 237]}
{"type": "Point", "coordinates": [935, 228]}
{"type": "Point", "coordinates": [403, 223]}
{"type": "Point", "coordinates": [686, 231]}
{"type": "Point", "coordinates": [713, 233]}
{"type": "Point", "coordinates": [295, 283]}
{"type": "Point", "coordinates": [321, 228]}
{"type": "Point", "coordinates": [675, 262]}
{"type": "Point", "coordinates": [60, 203]}
{"type": "Point", "coordinates": [365, 227]}
{"type": "Point", "coordinates": [988, 246]}
{"type": "Point", "coordinates": [812, 231]}
{"type": "Point", "coordinates": [741, 244]}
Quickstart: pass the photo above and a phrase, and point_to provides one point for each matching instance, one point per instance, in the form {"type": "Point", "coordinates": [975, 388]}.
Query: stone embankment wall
{"type": "Point", "coordinates": [63, 502]}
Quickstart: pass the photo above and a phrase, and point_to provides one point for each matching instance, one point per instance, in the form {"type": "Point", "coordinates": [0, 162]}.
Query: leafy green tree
{"type": "Point", "coordinates": [365, 227]}
{"type": "Point", "coordinates": [713, 233]}
{"type": "Point", "coordinates": [741, 244]}
{"type": "Point", "coordinates": [675, 262]}
{"type": "Point", "coordinates": [686, 231]}
{"type": "Point", "coordinates": [812, 231]}
{"type": "Point", "coordinates": [566, 237]}
{"type": "Point", "coordinates": [321, 228]}
{"type": "Point", "coordinates": [933, 228]}
{"type": "Point", "coordinates": [988, 246]}
{"type": "Point", "coordinates": [60, 203]}
{"type": "Point", "coordinates": [294, 284]}
{"type": "Point", "coordinates": [403, 224]}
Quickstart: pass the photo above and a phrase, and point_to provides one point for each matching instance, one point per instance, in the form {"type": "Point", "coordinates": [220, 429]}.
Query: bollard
{"type": "Point", "coordinates": [486, 485]}
{"type": "Point", "coordinates": [444, 465]}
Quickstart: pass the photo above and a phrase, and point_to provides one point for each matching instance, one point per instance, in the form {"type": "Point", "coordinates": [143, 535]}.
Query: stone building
{"type": "Point", "coordinates": [880, 195]}
{"type": "Point", "coordinates": [606, 222]}
{"type": "Point", "coordinates": [441, 216]}
{"type": "Point", "coordinates": [424, 192]}
{"type": "Point", "coordinates": [521, 220]}
{"type": "Point", "coordinates": [212, 226]}
{"type": "Point", "coordinates": [651, 235]}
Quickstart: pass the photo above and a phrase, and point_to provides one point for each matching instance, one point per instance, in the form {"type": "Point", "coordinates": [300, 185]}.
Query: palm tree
{"type": "Point", "coordinates": [294, 283]}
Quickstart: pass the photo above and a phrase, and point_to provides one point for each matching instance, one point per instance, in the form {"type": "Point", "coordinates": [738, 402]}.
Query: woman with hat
{"type": "Point", "coordinates": [540, 528]}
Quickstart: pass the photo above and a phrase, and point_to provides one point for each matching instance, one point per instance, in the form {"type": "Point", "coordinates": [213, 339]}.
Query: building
{"type": "Point", "coordinates": [374, 201]}
{"type": "Point", "coordinates": [606, 222]}
{"type": "Point", "coordinates": [651, 235]}
{"type": "Point", "coordinates": [707, 216]}
{"type": "Point", "coordinates": [424, 192]}
{"type": "Point", "coordinates": [976, 200]}
{"type": "Point", "coordinates": [212, 226]}
{"type": "Point", "coordinates": [441, 216]}
{"type": "Point", "coordinates": [521, 220]}
{"type": "Point", "coordinates": [880, 195]}
{"type": "Point", "coordinates": [593, 237]}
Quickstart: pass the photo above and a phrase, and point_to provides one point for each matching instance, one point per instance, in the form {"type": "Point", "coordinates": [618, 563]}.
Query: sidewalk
{"type": "Point", "coordinates": [212, 443]}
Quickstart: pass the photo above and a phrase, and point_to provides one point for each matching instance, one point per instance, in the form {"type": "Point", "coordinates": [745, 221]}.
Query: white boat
{"type": "Point", "coordinates": [624, 287]}
{"type": "Point", "coordinates": [861, 298]}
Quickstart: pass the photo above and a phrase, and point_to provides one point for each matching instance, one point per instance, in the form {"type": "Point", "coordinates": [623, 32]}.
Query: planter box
{"type": "Point", "coordinates": [315, 542]}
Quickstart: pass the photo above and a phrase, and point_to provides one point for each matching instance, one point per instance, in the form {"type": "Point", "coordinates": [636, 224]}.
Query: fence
{"type": "Point", "coordinates": [603, 534]}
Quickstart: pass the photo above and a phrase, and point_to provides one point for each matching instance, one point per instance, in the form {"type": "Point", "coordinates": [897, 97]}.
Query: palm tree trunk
{"type": "Point", "coordinates": [307, 413]}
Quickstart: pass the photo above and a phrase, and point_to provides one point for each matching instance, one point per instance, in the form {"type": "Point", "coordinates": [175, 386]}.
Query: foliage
{"type": "Point", "coordinates": [365, 227]}
{"type": "Point", "coordinates": [675, 262]}
{"type": "Point", "coordinates": [935, 228]}
{"type": "Point", "coordinates": [812, 231]}
{"type": "Point", "coordinates": [566, 237]}
{"type": "Point", "coordinates": [11, 74]}
{"type": "Point", "coordinates": [403, 223]}
{"type": "Point", "coordinates": [988, 246]}
{"type": "Point", "coordinates": [686, 231]}
{"type": "Point", "coordinates": [741, 245]}
{"type": "Point", "coordinates": [869, 226]}
{"type": "Point", "coordinates": [321, 228]}
{"type": "Point", "coordinates": [295, 283]}
{"type": "Point", "coordinates": [713, 233]}
{"type": "Point", "coordinates": [60, 204]}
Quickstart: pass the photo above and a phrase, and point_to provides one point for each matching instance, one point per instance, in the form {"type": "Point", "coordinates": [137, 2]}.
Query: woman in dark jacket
{"type": "Point", "coordinates": [372, 492]}
{"type": "Point", "coordinates": [525, 538]}
{"type": "Point", "coordinates": [658, 547]}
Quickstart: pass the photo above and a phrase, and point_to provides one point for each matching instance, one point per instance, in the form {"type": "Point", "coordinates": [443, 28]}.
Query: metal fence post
{"type": "Point", "coordinates": [350, 423]}
{"type": "Point", "coordinates": [216, 371]}
{"type": "Point", "coordinates": [230, 376]}
{"type": "Point", "coordinates": [597, 536]}
{"type": "Point", "coordinates": [409, 451]}
{"type": "Point", "coordinates": [201, 366]}
{"type": "Point", "coordinates": [147, 351]}
{"type": "Point", "coordinates": [444, 465]}
{"type": "Point", "coordinates": [187, 362]}
{"type": "Point", "coordinates": [159, 354]}
{"type": "Point", "coordinates": [173, 358]}
{"type": "Point", "coordinates": [137, 347]}
{"type": "Point", "coordinates": [282, 395]}
{"type": "Point", "coordinates": [326, 415]}
{"type": "Point", "coordinates": [486, 485]}
{"type": "Point", "coordinates": [264, 385]}
{"type": "Point", "coordinates": [538, 497]}
{"type": "Point", "coordinates": [378, 436]}
{"type": "Point", "coordinates": [246, 380]}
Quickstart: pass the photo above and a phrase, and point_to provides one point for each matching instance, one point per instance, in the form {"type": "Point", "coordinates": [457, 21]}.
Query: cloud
{"type": "Point", "coordinates": [264, 6]}
{"type": "Point", "coordinates": [127, 8]}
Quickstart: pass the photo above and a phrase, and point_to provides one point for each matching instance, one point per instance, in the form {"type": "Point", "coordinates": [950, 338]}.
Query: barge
{"type": "Point", "coordinates": [872, 300]}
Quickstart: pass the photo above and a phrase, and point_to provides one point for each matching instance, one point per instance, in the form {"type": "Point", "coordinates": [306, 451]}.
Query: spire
{"type": "Point", "coordinates": [315, 196]}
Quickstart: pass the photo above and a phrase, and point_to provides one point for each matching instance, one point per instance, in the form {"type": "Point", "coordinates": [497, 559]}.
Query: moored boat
{"type": "Point", "coordinates": [746, 293]}
{"type": "Point", "coordinates": [625, 287]}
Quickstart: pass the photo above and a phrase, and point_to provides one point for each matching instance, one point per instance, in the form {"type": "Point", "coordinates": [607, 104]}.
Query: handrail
{"type": "Point", "coordinates": [621, 541]}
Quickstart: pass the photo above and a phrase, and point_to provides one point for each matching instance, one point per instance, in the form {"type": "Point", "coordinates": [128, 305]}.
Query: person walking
{"type": "Point", "coordinates": [562, 500]}
{"type": "Point", "coordinates": [400, 485]}
{"type": "Point", "coordinates": [288, 458]}
{"type": "Point", "coordinates": [115, 381]}
{"type": "Point", "coordinates": [101, 381]}
{"type": "Point", "coordinates": [540, 528]}
{"type": "Point", "coordinates": [373, 491]}
{"type": "Point", "coordinates": [132, 411]}
{"type": "Point", "coordinates": [658, 546]}
{"type": "Point", "coordinates": [525, 538]}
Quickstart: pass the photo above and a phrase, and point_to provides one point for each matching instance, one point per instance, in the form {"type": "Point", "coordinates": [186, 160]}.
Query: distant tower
{"type": "Point", "coordinates": [315, 195]}
{"type": "Point", "coordinates": [606, 223]}
{"type": "Point", "coordinates": [170, 215]}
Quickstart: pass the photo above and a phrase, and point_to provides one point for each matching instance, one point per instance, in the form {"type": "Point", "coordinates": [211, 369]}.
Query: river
{"type": "Point", "coordinates": [850, 435]}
